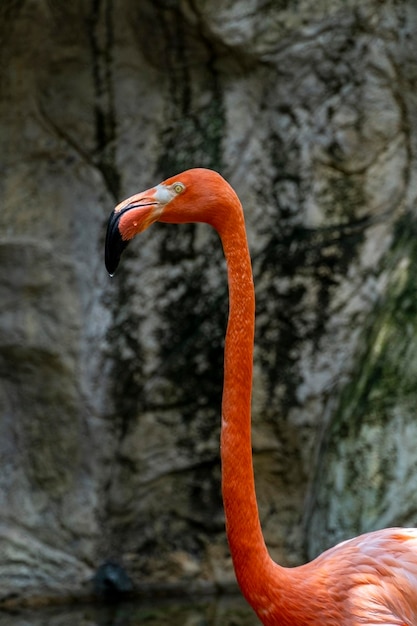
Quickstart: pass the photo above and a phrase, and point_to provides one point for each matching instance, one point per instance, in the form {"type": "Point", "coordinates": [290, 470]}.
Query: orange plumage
{"type": "Point", "coordinates": [371, 579]}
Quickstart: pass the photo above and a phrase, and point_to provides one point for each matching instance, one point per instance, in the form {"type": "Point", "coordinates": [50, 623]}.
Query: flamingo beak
{"type": "Point", "coordinates": [126, 220]}
{"type": "Point", "coordinates": [115, 244]}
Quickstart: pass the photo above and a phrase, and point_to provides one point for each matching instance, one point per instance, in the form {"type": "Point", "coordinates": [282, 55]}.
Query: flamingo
{"type": "Point", "coordinates": [370, 579]}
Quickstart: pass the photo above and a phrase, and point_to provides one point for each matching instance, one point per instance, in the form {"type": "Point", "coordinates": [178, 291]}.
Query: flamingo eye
{"type": "Point", "coordinates": [178, 187]}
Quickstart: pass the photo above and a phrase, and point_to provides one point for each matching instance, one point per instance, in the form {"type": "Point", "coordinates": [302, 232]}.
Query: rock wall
{"type": "Point", "coordinates": [110, 388]}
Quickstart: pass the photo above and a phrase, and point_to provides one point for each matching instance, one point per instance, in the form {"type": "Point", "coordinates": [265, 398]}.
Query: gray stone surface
{"type": "Point", "coordinates": [110, 388]}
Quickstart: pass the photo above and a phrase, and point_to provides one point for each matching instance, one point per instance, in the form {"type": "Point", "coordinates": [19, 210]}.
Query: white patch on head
{"type": "Point", "coordinates": [164, 194]}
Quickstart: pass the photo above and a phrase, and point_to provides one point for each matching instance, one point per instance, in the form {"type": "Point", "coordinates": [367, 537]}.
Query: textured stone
{"type": "Point", "coordinates": [110, 389]}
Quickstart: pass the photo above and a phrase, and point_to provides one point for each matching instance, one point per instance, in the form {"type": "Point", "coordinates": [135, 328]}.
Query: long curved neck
{"type": "Point", "coordinates": [253, 566]}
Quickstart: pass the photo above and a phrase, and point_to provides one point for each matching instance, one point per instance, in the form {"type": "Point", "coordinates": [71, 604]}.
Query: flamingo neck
{"type": "Point", "coordinates": [253, 566]}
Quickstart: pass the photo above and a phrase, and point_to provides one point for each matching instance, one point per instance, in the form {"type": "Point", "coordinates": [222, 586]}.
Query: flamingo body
{"type": "Point", "coordinates": [371, 579]}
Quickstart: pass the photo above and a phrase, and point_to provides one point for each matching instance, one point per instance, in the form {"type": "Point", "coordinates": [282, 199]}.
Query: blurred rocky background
{"type": "Point", "coordinates": [110, 388]}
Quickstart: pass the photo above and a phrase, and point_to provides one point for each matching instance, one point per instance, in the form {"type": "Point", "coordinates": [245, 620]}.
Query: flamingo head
{"type": "Point", "coordinates": [193, 196]}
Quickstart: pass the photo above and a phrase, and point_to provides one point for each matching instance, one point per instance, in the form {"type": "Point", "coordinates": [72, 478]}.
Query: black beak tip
{"type": "Point", "coordinates": [114, 245]}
